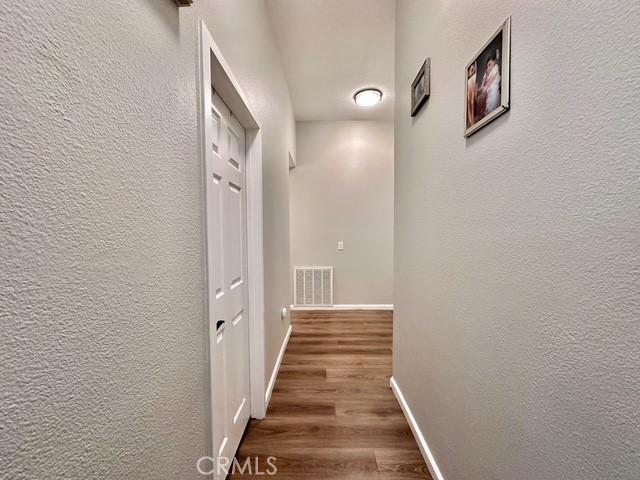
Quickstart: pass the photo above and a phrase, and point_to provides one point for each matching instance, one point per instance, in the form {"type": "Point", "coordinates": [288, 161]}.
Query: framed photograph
{"type": "Point", "coordinates": [420, 88]}
{"type": "Point", "coordinates": [486, 81]}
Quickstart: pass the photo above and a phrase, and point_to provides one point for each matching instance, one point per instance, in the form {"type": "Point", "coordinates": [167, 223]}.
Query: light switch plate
{"type": "Point", "coordinates": [340, 245]}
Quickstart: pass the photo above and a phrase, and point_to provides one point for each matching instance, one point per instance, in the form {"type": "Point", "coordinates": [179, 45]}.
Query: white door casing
{"type": "Point", "coordinates": [227, 267]}
{"type": "Point", "coordinates": [216, 73]}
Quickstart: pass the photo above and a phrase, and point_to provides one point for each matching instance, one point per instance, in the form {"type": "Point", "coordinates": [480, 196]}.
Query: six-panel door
{"type": "Point", "coordinates": [226, 247]}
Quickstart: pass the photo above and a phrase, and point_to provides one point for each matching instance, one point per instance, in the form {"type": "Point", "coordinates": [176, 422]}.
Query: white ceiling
{"type": "Point", "coordinates": [331, 49]}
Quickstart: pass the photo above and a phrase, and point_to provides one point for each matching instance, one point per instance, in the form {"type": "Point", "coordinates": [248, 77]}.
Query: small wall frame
{"type": "Point", "coordinates": [421, 87]}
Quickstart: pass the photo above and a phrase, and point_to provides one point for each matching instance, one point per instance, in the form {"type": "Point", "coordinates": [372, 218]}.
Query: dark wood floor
{"type": "Point", "coordinates": [332, 414]}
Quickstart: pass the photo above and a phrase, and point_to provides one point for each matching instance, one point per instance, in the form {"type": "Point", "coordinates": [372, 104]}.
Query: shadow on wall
{"type": "Point", "coordinates": [424, 108]}
{"type": "Point", "coordinates": [479, 135]}
{"type": "Point", "coordinates": [169, 12]}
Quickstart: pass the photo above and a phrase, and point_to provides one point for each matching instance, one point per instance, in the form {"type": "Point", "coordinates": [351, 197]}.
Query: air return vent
{"type": "Point", "coordinates": [313, 286]}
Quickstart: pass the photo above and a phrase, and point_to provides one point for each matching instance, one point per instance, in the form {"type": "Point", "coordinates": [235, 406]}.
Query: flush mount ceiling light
{"type": "Point", "coordinates": [367, 97]}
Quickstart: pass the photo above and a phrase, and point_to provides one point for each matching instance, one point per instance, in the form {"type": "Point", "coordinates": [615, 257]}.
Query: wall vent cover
{"type": "Point", "coordinates": [313, 286]}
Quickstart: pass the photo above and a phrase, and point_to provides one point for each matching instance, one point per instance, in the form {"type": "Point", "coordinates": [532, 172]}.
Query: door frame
{"type": "Point", "coordinates": [215, 71]}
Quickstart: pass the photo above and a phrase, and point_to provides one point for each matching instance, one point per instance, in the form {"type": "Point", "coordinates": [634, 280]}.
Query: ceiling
{"type": "Point", "coordinates": [331, 49]}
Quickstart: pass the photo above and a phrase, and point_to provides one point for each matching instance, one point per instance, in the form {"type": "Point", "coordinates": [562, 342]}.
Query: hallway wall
{"type": "Point", "coordinates": [104, 361]}
{"type": "Point", "coordinates": [342, 190]}
{"type": "Point", "coordinates": [516, 338]}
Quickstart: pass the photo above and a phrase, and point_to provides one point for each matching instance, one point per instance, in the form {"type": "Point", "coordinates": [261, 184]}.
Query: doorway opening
{"type": "Point", "coordinates": [232, 185]}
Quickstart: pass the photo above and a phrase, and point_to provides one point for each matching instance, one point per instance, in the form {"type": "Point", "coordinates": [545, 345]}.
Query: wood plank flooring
{"type": "Point", "coordinates": [332, 414]}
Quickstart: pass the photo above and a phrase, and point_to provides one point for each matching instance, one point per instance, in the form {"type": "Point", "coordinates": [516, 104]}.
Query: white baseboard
{"type": "Point", "coordinates": [364, 306]}
{"type": "Point", "coordinates": [276, 368]}
{"type": "Point", "coordinates": [417, 433]}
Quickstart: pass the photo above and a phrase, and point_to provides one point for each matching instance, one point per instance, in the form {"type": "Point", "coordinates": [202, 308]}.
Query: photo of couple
{"type": "Point", "coordinates": [484, 83]}
{"type": "Point", "coordinates": [487, 82]}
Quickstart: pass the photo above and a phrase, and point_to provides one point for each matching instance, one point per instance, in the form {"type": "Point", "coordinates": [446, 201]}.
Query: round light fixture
{"type": "Point", "coordinates": [367, 97]}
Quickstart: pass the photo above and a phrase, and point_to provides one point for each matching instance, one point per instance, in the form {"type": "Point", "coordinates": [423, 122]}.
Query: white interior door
{"type": "Point", "coordinates": [227, 243]}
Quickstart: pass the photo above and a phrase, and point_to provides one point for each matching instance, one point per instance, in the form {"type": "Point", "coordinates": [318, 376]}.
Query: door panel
{"type": "Point", "coordinates": [226, 246]}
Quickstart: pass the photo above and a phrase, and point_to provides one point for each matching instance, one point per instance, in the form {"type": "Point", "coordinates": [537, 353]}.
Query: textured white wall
{"type": "Point", "coordinates": [103, 354]}
{"type": "Point", "coordinates": [342, 190]}
{"type": "Point", "coordinates": [517, 335]}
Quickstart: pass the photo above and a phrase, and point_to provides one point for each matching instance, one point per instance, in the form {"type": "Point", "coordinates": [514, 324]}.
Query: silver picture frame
{"type": "Point", "coordinates": [421, 87]}
{"type": "Point", "coordinates": [505, 81]}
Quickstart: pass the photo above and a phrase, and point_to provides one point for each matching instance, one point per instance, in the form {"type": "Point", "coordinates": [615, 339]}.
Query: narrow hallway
{"type": "Point", "coordinates": [320, 240]}
{"type": "Point", "coordinates": [332, 414]}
